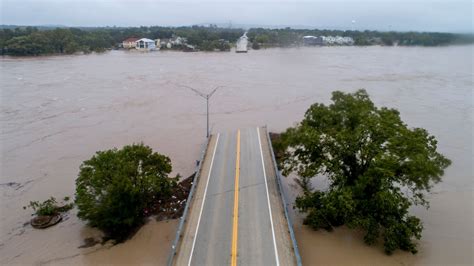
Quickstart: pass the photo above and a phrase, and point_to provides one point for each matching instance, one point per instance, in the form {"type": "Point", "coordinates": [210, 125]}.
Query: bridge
{"type": "Point", "coordinates": [236, 214]}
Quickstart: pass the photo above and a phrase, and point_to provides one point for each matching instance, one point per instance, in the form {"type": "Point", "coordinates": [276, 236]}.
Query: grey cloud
{"type": "Point", "coordinates": [420, 15]}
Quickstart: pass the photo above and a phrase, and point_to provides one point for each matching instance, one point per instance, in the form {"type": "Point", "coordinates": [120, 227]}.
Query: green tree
{"type": "Point", "coordinates": [114, 187]}
{"type": "Point", "coordinates": [262, 39]}
{"type": "Point", "coordinates": [377, 168]}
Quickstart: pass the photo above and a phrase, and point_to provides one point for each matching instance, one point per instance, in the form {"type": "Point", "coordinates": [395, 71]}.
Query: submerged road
{"type": "Point", "coordinates": [231, 221]}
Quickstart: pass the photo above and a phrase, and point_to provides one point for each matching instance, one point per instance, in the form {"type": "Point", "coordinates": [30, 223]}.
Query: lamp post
{"type": "Point", "coordinates": [206, 97]}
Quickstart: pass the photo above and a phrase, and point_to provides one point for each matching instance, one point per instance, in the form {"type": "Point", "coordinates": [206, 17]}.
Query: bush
{"type": "Point", "coordinates": [49, 207]}
{"type": "Point", "coordinates": [115, 186]}
{"type": "Point", "coordinates": [255, 46]}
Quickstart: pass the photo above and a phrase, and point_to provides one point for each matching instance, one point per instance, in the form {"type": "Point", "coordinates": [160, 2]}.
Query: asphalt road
{"type": "Point", "coordinates": [222, 238]}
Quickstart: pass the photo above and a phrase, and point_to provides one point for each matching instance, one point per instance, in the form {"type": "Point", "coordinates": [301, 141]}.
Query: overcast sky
{"type": "Point", "coordinates": [401, 15]}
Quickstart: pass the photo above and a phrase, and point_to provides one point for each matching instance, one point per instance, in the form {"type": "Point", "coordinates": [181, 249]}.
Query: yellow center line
{"type": "Point", "coordinates": [235, 226]}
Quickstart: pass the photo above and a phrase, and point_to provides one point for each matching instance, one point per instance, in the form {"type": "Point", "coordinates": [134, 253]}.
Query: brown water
{"type": "Point", "coordinates": [57, 111]}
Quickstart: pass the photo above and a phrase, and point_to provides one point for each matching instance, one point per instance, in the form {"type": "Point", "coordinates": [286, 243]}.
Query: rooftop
{"type": "Point", "coordinates": [131, 39]}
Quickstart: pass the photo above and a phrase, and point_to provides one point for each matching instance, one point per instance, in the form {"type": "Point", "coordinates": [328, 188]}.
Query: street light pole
{"type": "Point", "coordinates": [207, 97]}
{"type": "Point", "coordinates": [207, 116]}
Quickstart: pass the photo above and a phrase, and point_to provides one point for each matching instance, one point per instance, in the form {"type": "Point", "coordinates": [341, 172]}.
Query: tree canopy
{"type": "Point", "coordinates": [114, 187]}
{"type": "Point", "coordinates": [376, 165]}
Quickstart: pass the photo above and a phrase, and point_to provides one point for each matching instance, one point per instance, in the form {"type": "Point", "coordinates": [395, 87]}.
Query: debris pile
{"type": "Point", "coordinates": [172, 207]}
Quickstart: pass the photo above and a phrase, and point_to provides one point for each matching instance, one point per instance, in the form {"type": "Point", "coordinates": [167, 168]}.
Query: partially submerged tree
{"type": "Point", "coordinates": [115, 186]}
{"type": "Point", "coordinates": [377, 168]}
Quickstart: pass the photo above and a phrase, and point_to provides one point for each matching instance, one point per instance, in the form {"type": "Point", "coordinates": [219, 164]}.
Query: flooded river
{"type": "Point", "coordinates": [57, 111]}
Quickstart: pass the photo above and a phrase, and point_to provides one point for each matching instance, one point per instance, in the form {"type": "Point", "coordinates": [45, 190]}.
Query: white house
{"type": "Point", "coordinates": [145, 44]}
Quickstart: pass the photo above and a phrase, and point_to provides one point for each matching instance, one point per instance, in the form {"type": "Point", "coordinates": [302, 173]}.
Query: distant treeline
{"type": "Point", "coordinates": [34, 41]}
{"type": "Point", "coordinates": [294, 37]}
{"type": "Point", "coordinates": [41, 41]}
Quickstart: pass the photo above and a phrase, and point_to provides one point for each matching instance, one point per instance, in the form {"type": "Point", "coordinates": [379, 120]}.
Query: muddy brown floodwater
{"type": "Point", "coordinates": [57, 111]}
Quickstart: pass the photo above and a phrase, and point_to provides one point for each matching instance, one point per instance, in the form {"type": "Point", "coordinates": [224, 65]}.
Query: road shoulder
{"type": "Point", "coordinates": [286, 253]}
{"type": "Point", "coordinates": [184, 249]}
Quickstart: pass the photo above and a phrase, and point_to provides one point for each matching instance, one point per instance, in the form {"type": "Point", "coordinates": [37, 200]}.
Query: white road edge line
{"type": "Point", "coordinates": [203, 200]}
{"type": "Point", "coordinates": [268, 198]}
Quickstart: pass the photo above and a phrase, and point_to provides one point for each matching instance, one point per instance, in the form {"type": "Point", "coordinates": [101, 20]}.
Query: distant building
{"type": "Point", "coordinates": [129, 43]}
{"type": "Point", "coordinates": [312, 40]}
{"type": "Point", "coordinates": [177, 40]}
{"type": "Point", "coordinates": [158, 44]}
{"type": "Point", "coordinates": [337, 40]}
{"type": "Point", "coordinates": [145, 44]}
{"type": "Point", "coordinates": [164, 43]}
{"type": "Point", "coordinates": [348, 40]}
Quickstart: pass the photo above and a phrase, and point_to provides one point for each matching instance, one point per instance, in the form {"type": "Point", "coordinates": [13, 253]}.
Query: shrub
{"type": "Point", "coordinates": [49, 207]}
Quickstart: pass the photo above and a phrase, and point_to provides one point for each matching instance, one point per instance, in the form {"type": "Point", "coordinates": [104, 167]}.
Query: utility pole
{"type": "Point", "coordinates": [206, 97]}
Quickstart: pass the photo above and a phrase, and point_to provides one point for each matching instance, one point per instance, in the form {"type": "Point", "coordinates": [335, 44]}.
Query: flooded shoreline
{"type": "Point", "coordinates": [58, 111]}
